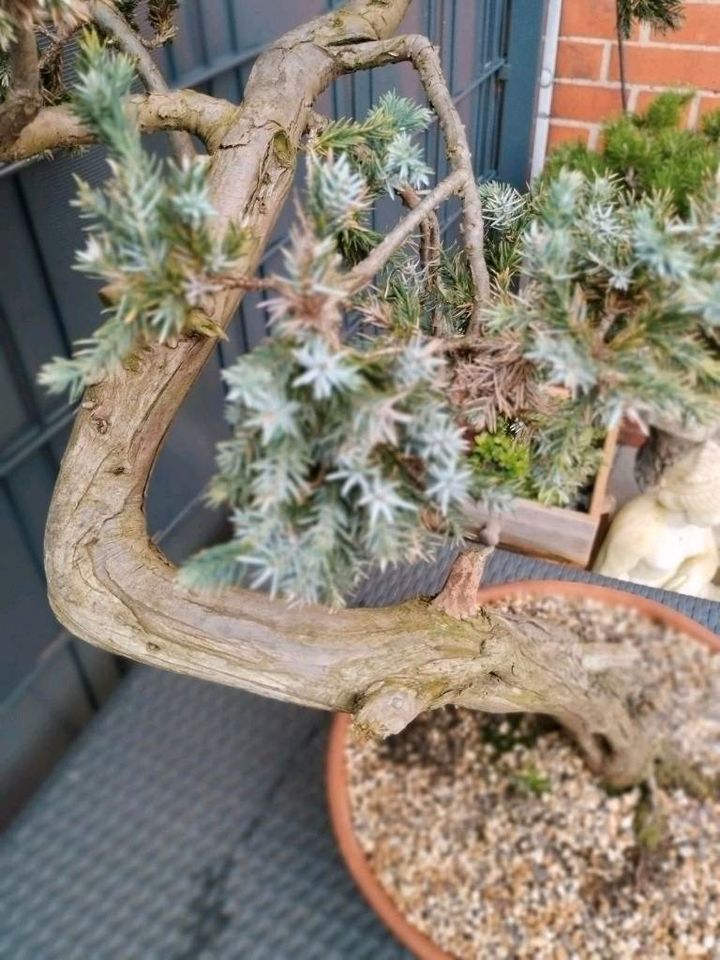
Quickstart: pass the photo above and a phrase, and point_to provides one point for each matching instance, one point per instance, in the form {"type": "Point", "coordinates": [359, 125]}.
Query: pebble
{"type": "Point", "coordinates": [487, 868]}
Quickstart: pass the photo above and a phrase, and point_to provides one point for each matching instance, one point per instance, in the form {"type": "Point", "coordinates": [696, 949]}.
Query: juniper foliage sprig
{"type": "Point", "coordinates": [161, 15]}
{"type": "Point", "coordinates": [380, 148]}
{"type": "Point", "coordinates": [501, 460]}
{"type": "Point", "coordinates": [618, 300]}
{"type": "Point", "coordinates": [150, 237]}
{"type": "Point", "coordinates": [506, 214]}
{"type": "Point", "coordinates": [344, 455]}
{"type": "Point", "coordinates": [350, 165]}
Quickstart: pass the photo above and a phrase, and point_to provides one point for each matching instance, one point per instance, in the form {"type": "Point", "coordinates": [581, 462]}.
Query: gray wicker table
{"type": "Point", "coordinates": [188, 822]}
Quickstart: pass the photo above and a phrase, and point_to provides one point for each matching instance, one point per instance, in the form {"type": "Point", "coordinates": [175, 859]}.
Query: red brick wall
{"type": "Point", "coordinates": [587, 80]}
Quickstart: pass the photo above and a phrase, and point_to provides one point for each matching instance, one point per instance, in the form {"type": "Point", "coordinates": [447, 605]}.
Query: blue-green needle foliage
{"type": "Point", "coordinates": [380, 148]}
{"type": "Point", "coordinates": [361, 160]}
{"type": "Point", "coordinates": [342, 454]}
{"type": "Point", "coordinates": [149, 233]}
{"type": "Point", "coordinates": [619, 302]}
{"type": "Point", "coordinates": [348, 450]}
{"type": "Point", "coordinates": [345, 453]}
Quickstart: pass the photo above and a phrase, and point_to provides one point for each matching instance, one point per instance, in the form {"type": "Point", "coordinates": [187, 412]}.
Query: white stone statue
{"type": "Point", "coordinates": [664, 538]}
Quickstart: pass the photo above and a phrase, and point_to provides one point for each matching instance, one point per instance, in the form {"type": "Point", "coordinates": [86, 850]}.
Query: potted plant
{"type": "Point", "coordinates": [474, 836]}
{"type": "Point", "coordinates": [350, 424]}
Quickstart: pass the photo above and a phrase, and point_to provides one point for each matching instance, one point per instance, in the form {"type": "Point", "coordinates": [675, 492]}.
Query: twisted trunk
{"type": "Point", "coordinates": [111, 586]}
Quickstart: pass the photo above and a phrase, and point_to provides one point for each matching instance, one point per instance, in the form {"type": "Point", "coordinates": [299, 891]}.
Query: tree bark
{"type": "Point", "coordinates": [58, 128]}
{"type": "Point", "coordinates": [111, 21]}
{"type": "Point", "coordinates": [110, 585]}
{"type": "Point", "coordinates": [23, 100]}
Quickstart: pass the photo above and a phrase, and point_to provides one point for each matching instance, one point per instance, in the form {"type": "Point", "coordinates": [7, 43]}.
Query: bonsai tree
{"type": "Point", "coordinates": [351, 423]}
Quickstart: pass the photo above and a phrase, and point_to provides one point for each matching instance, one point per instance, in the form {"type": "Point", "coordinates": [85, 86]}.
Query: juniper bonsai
{"type": "Point", "coordinates": [350, 423]}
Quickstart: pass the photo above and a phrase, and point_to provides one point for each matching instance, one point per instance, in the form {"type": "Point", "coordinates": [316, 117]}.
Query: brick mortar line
{"type": "Point", "coordinates": [646, 86]}
{"type": "Point", "coordinates": [589, 41]}
{"type": "Point", "coordinates": [650, 45]}
{"type": "Point", "coordinates": [569, 122]}
{"type": "Point", "coordinates": [606, 60]}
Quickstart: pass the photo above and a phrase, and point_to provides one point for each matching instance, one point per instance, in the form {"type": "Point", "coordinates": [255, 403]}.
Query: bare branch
{"type": "Point", "coordinates": [24, 99]}
{"type": "Point", "coordinates": [58, 128]}
{"type": "Point", "coordinates": [363, 272]}
{"type": "Point", "coordinates": [112, 23]}
{"type": "Point", "coordinates": [429, 229]}
{"type": "Point", "coordinates": [430, 247]}
{"type": "Point", "coordinates": [423, 56]}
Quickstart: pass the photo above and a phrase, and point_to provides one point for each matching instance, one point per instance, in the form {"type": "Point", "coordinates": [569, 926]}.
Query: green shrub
{"type": "Point", "coordinates": [503, 458]}
{"type": "Point", "coordinates": [649, 152]}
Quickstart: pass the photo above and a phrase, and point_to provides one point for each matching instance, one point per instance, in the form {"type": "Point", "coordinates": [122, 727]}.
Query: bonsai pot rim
{"type": "Point", "coordinates": [338, 796]}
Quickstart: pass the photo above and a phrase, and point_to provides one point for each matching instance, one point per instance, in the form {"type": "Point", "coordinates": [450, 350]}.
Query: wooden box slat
{"type": "Point", "coordinates": [555, 532]}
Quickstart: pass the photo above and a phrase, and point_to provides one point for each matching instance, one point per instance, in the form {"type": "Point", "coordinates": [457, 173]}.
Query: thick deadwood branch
{"type": "Point", "coordinates": [110, 585]}
{"type": "Point", "coordinates": [58, 128]}
{"type": "Point", "coordinates": [23, 100]}
{"type": "Point", "coordinates": [112, 23]}
{"type": "Point", "coordinates": [424, 57]}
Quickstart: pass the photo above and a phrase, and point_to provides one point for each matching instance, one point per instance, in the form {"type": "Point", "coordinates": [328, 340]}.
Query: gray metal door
{"type": "Point", "coordinates": [48, 682]}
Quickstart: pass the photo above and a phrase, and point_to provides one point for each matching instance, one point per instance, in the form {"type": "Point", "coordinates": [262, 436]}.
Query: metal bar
{"type": "Point", "coordinates": [451, 58]}
{"type": "Point", "coordinates": [524, 28]}
{"type": "Point", "coordinates": [34, 439]}
{"type": "Point", "coordinates": [19, 518]}
{"type": "Point", "coordinates": [486, 74]}
{"type": "Point", "coordinates": [496, 93]}
{"type": "Point", "coordinates": [232, 23]}
{"type": "Point", "coordinates": [42, 264]}
{"type": "Point", "coordinates": [83, 676]}
{"type": "Point", "coordinates": [21, 381]}
{"type": "Point", "coordinates": [201, 31]}
{"type": "Point", "coordinates": [231, 61]}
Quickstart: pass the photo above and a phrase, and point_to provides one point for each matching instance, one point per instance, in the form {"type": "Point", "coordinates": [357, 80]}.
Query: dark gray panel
{"type": "Point", "coordinates": [15, 414]}
{"type": "Point", "coordinates": [186, 461]}
{"type": "Point", "coordinates": [26, 621]}
{"type": "Point", "coordinates": [30, 486]}
{"type": "Point", "coordinates": [25, 301]}
{"type": "Point", "coordinates": [47, 188]}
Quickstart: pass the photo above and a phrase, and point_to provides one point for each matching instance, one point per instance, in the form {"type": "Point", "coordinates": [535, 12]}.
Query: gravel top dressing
{"type": "Point", "coordinates": [496, 842]}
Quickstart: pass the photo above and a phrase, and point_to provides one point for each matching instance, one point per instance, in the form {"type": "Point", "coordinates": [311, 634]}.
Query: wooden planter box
{"type": "Point", "coordinates": [557, 533]}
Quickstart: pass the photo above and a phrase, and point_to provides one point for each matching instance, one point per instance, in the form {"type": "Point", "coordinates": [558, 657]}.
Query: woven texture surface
{"type": "Point", "coordinates": [189, 823]}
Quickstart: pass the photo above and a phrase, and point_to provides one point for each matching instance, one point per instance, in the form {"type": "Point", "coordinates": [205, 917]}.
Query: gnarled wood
{"type": "Point", "coordinates": [58, 128]}
{"type": "Point", "coordinates": [112, 22]}
{"type": "Point", "coordinates": [111, 586]}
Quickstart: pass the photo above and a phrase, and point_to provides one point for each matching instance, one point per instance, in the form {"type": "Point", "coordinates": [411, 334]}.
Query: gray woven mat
{"type": "Point", "coordinates": [503, 567]}
{"type": "Point", "coordinates": [189, 823]}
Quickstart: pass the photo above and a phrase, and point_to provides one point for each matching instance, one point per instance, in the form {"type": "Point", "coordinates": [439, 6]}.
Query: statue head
{"type": "Point", "coordinates": [691, 486]}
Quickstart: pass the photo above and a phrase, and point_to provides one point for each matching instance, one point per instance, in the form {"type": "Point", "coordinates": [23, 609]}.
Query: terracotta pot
{"type": "Point", "coordinates": [337, 791]}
